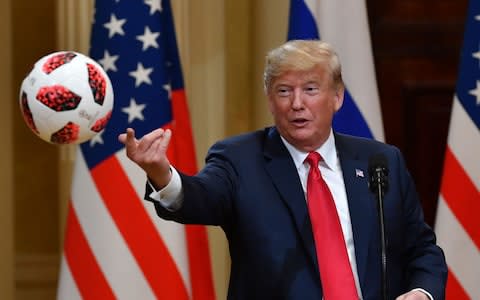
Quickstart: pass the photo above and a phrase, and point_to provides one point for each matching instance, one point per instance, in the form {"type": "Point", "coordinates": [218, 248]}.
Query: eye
{"type": "Point", "coordinates": [283, 91]}
{"type": "Point", "coordinates": [311, 89]}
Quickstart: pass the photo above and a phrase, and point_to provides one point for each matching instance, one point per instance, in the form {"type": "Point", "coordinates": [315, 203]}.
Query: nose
{"type": "Point", "coordinates": [297, 101]}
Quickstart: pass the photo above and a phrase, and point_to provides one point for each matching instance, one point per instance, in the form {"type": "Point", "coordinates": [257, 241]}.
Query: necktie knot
{"type": "Point", "coordinates": [312, 159]}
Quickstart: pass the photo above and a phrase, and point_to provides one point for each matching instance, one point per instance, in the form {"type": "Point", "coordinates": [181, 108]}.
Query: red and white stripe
{"type": "Point", "coordinates": [116, 247]}
{"type": "Point", "coordinates": [457, 223]}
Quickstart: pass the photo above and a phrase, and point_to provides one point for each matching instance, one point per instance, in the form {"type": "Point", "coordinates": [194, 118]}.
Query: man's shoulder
{"type": "Point", "coordinates": [360, 141]}
{"type": "Point", "coordinates": [362, 145]}
{"type": "Point", "coordinates": [248, 139]}
{"type": "Point", "coordinates": [251, 136]}
{"type": "Point", "coordinates": [244, 143]}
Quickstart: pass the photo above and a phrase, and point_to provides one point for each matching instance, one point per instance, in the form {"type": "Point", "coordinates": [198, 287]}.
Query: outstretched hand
{"type": "Point", "coordinates": [150, 153]}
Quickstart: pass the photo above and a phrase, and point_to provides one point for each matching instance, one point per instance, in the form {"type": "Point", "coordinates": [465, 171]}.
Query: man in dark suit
{"type": "Point", "coordinates": [257, 188]}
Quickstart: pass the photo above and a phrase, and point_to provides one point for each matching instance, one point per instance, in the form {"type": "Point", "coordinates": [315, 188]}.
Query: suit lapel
{"type": "Point", "coordinates": [283, 172]}
{"type": "Point", "coordinates": [360, 201]}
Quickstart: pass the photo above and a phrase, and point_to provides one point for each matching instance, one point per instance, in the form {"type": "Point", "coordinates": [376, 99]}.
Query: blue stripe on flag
{"type": "Point", "coordinates": [301, 24]}
{"type": "Point", "coordinates": [469, 75]}
{"type": "Point", "coordinates": [349, 119]}
{"type": "Point", "coordinates": [134, 20]}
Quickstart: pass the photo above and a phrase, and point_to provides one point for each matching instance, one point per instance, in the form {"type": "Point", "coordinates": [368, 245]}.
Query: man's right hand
{"type": "Point", "coordinates": [150, 153]}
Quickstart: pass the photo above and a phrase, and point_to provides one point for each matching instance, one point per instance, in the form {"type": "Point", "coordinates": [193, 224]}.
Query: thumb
{"type": "Point", "coordinates": [130, 141]}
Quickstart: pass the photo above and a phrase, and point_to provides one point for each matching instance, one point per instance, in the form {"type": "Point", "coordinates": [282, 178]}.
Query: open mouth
{"type": "Point", "coordinates": [300, 122]}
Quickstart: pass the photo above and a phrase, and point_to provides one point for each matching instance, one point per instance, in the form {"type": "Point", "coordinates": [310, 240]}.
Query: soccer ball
{"type": "Point", "coordinates": [67, 98]}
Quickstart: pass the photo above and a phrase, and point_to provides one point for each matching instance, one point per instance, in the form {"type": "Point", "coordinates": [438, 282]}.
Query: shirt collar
{"type": "Point", "coordinates": [327, 150]}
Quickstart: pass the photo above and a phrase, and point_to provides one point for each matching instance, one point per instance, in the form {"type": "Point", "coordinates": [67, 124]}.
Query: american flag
{"type": "Point", "coordinates": [333, 21]}
{"type": "Point", "coordinates": [115, 245]}
{"type": "Point", "coordinates": [457, 223]}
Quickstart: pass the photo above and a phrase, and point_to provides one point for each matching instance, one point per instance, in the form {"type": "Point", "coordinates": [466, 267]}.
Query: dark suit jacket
{"type": "Point", "coordinates": [250, 187]}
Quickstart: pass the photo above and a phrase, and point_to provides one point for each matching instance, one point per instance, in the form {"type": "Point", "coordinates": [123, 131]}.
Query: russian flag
{"type": "Point", "coordinates": [348, 33]}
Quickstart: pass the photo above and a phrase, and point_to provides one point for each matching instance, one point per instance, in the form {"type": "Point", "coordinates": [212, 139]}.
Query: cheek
{"type": "Point", "coordinates": [278, 108]}
{"type": "Point", "coordinates": [331, 106]}
{"type": "Point", "coordinates": [323, 113]}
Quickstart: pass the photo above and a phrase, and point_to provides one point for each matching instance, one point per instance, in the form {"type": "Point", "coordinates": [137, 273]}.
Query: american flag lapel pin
{"type": "Point", "coordinates": [359, 173]}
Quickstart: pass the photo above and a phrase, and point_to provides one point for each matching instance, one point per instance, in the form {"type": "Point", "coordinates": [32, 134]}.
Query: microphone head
{"type": "Point", "coordinates": [378, 160]}
{"type": "Point", "coordinates": [378, 172]}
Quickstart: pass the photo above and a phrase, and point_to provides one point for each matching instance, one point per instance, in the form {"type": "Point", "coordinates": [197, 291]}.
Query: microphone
{"type": "Point", "coordinates": [378, 184]}
{"type": "Point", "coordinates": [378, 171]}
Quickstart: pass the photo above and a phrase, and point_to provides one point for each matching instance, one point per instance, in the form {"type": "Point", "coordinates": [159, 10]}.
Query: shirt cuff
{"type": "Point", "coordinates": [425, 292]}
{"type": "Point", "coordinates": [171, 196]}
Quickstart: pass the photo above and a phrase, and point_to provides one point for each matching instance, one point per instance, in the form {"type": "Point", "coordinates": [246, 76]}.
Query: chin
{"type": "Point", "coordinates": [301, 135]}
{"type": "Point", "coordinates": [302, 144]}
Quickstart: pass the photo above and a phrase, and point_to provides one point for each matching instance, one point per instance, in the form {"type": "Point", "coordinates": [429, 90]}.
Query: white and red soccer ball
{"type": "Point", "coordinates": [67, 98]}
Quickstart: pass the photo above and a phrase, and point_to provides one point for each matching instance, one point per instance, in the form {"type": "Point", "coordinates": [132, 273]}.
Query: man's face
{"type": "Point", "coordinates": [303, 104]}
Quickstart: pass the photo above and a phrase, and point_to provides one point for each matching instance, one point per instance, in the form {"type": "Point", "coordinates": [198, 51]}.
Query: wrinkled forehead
{"type": "Point", "coordinates": [301, 56]}
{"type": "Point", "coordinates": [317, 74]}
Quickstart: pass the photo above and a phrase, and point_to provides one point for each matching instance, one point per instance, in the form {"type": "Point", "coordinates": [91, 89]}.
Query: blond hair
{"type": "Point", "coordinates": [302, 55]}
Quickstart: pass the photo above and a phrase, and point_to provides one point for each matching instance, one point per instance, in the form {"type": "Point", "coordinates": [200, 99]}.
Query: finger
{"type": "Point", "coordinates": [130, 141]}
{"type": "Point", "coordinates": [156, 151]}
{"type": "Point", "coordinates": [147, 140]}
{"type": "Point", "coordinates": [166, 139]}
{"type": "Point", "coordinates": [122, 138]}
{"type": "Point", "coordinates": [161, 145]}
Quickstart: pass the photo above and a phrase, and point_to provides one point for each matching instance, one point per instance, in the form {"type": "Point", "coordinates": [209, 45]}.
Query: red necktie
{"type": "Point", "coordinates": [335, 271]}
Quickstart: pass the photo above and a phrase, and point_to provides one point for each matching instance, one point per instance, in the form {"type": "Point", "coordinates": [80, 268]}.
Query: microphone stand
{"type": "Point", "coordinates": [381, 219]}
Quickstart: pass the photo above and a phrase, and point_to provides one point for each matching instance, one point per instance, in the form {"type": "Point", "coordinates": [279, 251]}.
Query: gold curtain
{"type": "Point", "coordinates": [222, 45]}
{"type": "Point", "coordinates": [6, 156]}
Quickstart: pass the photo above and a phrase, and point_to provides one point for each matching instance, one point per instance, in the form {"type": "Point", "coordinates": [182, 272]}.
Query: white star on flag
{"type": "Point", "coordinates": [476, 92]}
{"type": "Point", "coordinates": [108, 61]}
{"type": "Point", "coordinates": [141, 75]}
{"type": "Point", "coordinates": [115, 26]}
{"type": "Point", "coordinates": [477, 55]}
{"type": "Point", "coordinates": [149, 39]}
{"type": "Point", "coordinates": [133, 246]}
{"type": "Point", "coordinates": [97, 139]}
{"type": "Point", "coordinates": [155, 5]}
{"type": "Point", "coordinates": [168, 89]}
{"type": "Point", "coordinates": [134, 111]}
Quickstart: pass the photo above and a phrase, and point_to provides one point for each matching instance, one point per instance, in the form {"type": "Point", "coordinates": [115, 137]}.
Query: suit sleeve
{"type": "Point", "coordinates": [207, 196]}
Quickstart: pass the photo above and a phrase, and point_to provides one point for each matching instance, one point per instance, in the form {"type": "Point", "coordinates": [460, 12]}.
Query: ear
{"type": "Point", "coordinates": [339, 95]}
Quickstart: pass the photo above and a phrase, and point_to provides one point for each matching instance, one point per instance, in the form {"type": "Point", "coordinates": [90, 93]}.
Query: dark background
{"type": "Point", "coordinates": [416, 48]}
